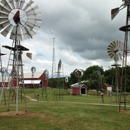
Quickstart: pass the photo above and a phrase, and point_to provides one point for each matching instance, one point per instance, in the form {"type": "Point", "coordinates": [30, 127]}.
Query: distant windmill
{"type": "Point", "coordinates": [115, 51]}
{"type": "Point", "coordinates": [44, 83]}
{"type": "Point", "coordinates": [58, 94]}
{"type": "Point", "coordinates": [59, 68]}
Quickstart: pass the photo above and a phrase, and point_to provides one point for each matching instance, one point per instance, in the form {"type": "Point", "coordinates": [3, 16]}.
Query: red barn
{"type": "Point", "coordinates": [36, 80]}
{"type": "Point", "coordinates": [78, 89]}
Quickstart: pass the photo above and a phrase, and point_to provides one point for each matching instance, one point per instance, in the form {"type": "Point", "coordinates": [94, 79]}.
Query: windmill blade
{"type": "Point", "coordinates": [17, 4]}
{"type": "Point", "coordinates": [6, 5]}
{"type": "Point", "coordinates": [36, 27]}
{"type": "Point", "coordinates": [31, 25]}
{"type": "Point", "coordinates": [110, 49]}
{"type": "Point", "coordinates": [3, 20]}
{"type": "Point", "coordinates": [3, 15]}
{"type": "Point", "coordinates": [32, 9]}
{"type": "Point", "coordinates": [5, 24]}
{"type": "Point", "coordinates": [24, 33]}
{"type": "Point", "coordinates": [12, 4]}
{"type": "Point", "coordinates": [112, 44]}
{"type": "Point", "coordinates": [16, 35]}
{"type": "Point", "coordinates": [111, 54]}
{"type": "Point", "coordinates": [32, 32]}
{"type": "Point", "coordinates": [36, 20]}
{"type": "Point", "coordinates": [34, 14]}
{"type": "Point", "coordinates": [28, 32]}
{"type": "Point", "coordinates": [13, 33]}
{"type": "Point", "coordinates": [21, 4]}
{"type": "Point", "coordinates": [4, 9]}
{"type": "Point", "coordinates": [19, 34]}
{"type": "Point", "coordinates": [117, 43]}
{"type": "Point", "coordinates": [28, 4]}
{"type": "Point", "coordinates": [6, 30]}
{"type": "Point", "coordinates": [114, 12]}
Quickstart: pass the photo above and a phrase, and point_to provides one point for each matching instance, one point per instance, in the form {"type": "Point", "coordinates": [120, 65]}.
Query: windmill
{"type": "Point", "coordinates": [78, 74]}
{"type": "Point", "coordinates": [115, 51]}
{"type": "Point", "coordinates": [66, 83]}
{"type": "Point", "coordinates": [59, 68]}
{"type": "Point", "coordinates": [58, 93]}
{"type": "Point", "coordinates": [33, 70]}
{"type": "Point", "coordinates": [44, 83]}
{"type": "Point", "coordinates": [18, 21]}
{"type": "Point", "coordinates": [126, 29]}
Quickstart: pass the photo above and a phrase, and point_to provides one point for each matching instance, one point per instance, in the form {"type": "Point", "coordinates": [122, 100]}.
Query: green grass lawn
{"type": "Point", "coordinates": [67, 113]}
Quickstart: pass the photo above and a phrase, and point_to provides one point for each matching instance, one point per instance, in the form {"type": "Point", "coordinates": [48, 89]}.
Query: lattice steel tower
{"type": "Point", "coordinates": [53, 61]}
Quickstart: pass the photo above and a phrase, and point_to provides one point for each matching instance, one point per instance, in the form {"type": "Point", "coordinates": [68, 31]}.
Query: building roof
{"type": "Point", "coordinates": [35, 75]}
{"type": "Point", "coordinates": [31, 82]}
{"type": "Point", "coordinates": [76, 85]}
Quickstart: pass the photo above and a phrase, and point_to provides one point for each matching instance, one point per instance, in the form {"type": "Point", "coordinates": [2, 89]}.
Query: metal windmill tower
{"type": "Point", "coordinates": [2, 70]}
{"type": "Point", "coordinates": [126, 29]}
{"type": "Point", "coordinates": [53, 61]}
{"type": "Point", "coordinates": [19, 21]}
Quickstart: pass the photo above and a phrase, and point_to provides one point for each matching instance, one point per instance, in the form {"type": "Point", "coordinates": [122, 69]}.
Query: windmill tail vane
{"type": "Point", "coordinates": [29, 55]}
{"type": "Point", "coordinates": [115, 11]}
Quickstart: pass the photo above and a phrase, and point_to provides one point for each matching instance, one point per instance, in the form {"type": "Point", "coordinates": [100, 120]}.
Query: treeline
{"type": "Point", "coordinates": [95, 77]}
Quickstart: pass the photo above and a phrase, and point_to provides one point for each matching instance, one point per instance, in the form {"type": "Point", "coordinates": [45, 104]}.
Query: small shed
{"type": "Point", "coordinates": [78, 89]}
{"type": "Point", "coordinates": [108, 87]}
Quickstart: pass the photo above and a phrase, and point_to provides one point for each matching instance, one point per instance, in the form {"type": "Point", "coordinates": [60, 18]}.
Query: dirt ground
{"type": "Point", "coordinates": [125, 112]}
{"type": "Point", "coordinates": [20, 113]}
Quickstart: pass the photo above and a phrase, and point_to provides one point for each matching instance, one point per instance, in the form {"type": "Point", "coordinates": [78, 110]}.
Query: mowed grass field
{"type": "Point", "coordinates": [64, 113]}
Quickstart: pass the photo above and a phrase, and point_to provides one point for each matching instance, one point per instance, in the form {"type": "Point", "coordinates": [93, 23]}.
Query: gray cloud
{"type": "Point", "coordinates": [82, 29]}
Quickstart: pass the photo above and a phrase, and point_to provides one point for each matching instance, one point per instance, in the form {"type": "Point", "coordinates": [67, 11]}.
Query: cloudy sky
{"type": "Point", "coordinates": [82, 30]}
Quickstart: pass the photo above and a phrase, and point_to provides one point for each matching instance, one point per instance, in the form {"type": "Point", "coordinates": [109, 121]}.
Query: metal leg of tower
{"type": "Point", "coordinates": [15, 67]}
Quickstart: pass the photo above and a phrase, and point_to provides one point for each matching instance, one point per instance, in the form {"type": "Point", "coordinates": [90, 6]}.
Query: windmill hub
{"type": "Point", "coordinates": [116, 50]}
{"type": "Point", "coordinates": [17, 16]}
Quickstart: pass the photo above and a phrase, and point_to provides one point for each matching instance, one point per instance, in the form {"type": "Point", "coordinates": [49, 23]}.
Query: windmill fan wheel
{"type": "Point", "coordinates": [19, 19]}
{"type": "Point", "coordinates": [115, 50]}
